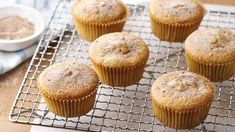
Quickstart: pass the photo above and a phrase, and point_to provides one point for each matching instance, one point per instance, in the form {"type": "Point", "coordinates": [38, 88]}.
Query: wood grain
{"type": "Point", "coordinates": [10, 82]}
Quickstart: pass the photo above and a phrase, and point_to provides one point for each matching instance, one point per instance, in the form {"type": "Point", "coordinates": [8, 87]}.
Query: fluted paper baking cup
{"type": "Point", "coordinates": [180, 119]}
{"type": "Point", "coordinates": [172, 32]}
{"type": "Point", "coordinates": [214, 72]}
{"type": "Point", "coordinates": [91, 31]}
{"type": "Point", "coordinates": [70, 108]}
{"type": "Point", "coordinates": [120, 77]}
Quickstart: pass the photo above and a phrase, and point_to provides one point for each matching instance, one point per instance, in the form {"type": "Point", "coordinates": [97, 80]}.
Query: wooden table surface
{"type": "Point", "coordinates": [10, 82]}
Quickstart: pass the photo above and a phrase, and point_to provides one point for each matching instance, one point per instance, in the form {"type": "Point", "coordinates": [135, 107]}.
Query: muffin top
{"type": "Point", "coordinates": [67, 80]}
{"type": "Point", "coordinates": [211, 45]}
{"type": "Point", "coordinates": [100, 11]}
{"type": "Point", "coordinates": [182, 90]}
{"type": "Point", "coordinates": [176, 11]}
{"type": "Point", "coordinates": [119, 49]}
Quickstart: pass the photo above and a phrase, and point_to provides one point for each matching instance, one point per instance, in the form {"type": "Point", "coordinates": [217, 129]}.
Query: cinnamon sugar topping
{"type": "Point", "coordinates": [119, 49]}
{"type": "Point", "coordinates": [182, 88]}
{"type": "Point", "coordinates": [212, 45]}
{"type": "Point", "coordinates": [184, 81]}
{"type": "Point", "coordinates": [101, 10]}
{"type": "Point", "coordinates": [176, 10]}
{"type": "Point", "coordinates": [72, 79]}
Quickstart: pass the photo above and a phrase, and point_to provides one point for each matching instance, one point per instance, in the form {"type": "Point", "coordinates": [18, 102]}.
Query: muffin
{"type": "Point", "coordinates": [211, 53]}
{"type": "Point", "coordinates": [68, 88]}
{"type": "Point", "coordinates": [119, 58]}
{"type": "Point", "coordinates": [181, 99]}
{"type": "Point", "coordinates": [174, 20]}
{"type": "Point", "coordinates": [94, 18]}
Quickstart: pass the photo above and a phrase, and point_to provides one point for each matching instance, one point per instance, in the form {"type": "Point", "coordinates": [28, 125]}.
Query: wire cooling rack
{"type": "Point", "coordinates": [118, 108]}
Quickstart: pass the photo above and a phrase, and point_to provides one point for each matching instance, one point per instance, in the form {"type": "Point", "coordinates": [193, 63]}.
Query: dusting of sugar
{"type": "Point", "coordinates": [179, 9]}
{"type": "Point", "coordinates": [119, 47]}
{"type": "Point", "coordinates": [67, 76]}
{"type": "Point", "coordinates": [182, 89]}
{"type": "Point", "coordinates": [100, 9]}
{"type": "Point", "coordinates": [212, 44]}
{"type": "Point", "coordinates": [185, 81]}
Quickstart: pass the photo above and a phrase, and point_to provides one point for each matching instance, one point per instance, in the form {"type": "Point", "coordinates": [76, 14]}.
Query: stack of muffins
{"type": "Point", "coordinates": [180, 99]}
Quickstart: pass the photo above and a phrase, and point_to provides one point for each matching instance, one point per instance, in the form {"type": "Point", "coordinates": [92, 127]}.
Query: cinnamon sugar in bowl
{"type": "Point", "coordinates": [15, 27]}
{"type": "Point", "coordinates": [21, 27]}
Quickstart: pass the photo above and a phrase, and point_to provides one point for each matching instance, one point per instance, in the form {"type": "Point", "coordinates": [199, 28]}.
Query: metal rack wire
{"type": "Point", "coordinates": [118, 108]}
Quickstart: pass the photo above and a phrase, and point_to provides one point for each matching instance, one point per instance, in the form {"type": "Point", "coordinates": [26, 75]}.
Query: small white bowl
{"type": "Point", "coordinates": [32, 15]}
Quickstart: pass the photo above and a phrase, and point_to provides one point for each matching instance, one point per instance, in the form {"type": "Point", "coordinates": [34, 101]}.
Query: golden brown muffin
{"type": "Point", "coordinates": [181, 99]}
{"type": "Point", "coordinates": [174, 20]}
{"type": "Point", "coordinates": [94, 18]}
{"type": "Point", "coordinates": [69, 88]}
{"type": "Point", "coordinates": [119, 58]}
{"type": "Point", "coordinates": [211, 53]}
